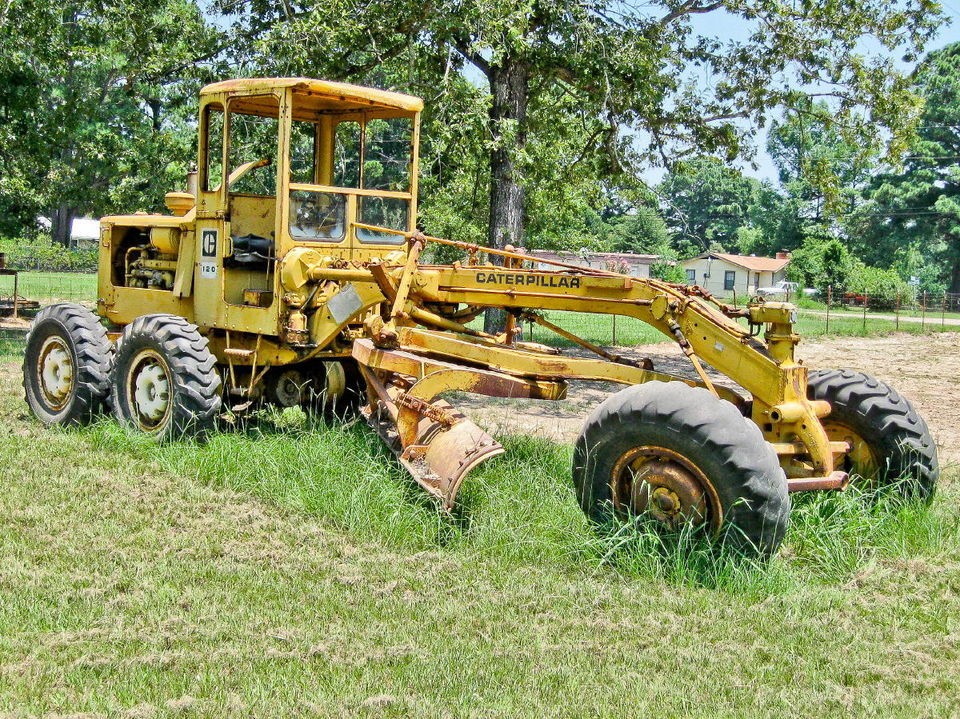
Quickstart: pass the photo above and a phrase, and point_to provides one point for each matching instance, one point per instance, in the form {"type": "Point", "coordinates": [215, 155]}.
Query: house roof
{"type": "Point", "coordinates": [567, 256]}
{"type": "Point", "coordinates": [748, 262]}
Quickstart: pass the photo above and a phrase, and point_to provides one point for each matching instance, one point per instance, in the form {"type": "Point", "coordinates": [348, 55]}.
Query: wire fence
{"type": "Point", "coordinates": [48, 288]}
{"type": "Point", "coordinates": [838, 314]}
{"type": "Point", "coordinates": [934, 311]}
{"type": "Point", "coordinates": [847, 315]}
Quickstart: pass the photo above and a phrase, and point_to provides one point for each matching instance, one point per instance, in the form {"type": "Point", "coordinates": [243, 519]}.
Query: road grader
{"type": "Point", "coordinates": [292, 271]}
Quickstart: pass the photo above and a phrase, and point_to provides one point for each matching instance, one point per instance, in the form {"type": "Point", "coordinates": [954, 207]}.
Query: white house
{"type": "Point", "coordinates": [624, 262]}
{"type": "Point", "coordinates": [725, 274]}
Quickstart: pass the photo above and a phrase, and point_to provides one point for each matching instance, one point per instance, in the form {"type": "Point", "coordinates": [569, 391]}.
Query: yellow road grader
{"type": "Point", "coordinates": [292, 271]}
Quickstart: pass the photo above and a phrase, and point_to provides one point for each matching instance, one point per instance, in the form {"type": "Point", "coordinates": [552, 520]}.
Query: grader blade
{"type": "Point", "coordinates": [442, 454]}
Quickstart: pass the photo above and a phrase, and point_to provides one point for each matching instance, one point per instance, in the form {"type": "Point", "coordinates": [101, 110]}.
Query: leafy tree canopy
{"type": "Point", "coordinates": [912, 217]}
{"type": "Point", "coordinates": [613, 86]}
{"type": "Point", "coordinates": [97, 101]}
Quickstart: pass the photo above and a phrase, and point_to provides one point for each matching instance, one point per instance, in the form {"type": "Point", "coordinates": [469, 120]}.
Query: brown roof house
{"type": "Point", "coordinates": [624, 262]}
{"type": "Point", "coordinates": [724, 274]}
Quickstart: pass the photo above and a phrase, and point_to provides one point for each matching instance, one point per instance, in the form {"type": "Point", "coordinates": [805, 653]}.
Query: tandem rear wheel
{"type": "Point", "coordinates": [890, 445]}
{"type": "Point", "coordinates": [685, 458]}
{"type": "Point", "coordinates": [66, 365]}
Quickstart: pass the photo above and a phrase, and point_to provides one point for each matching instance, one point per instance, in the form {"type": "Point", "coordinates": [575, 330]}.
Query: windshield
{"type": "Point", "coordinates": [346, 168]}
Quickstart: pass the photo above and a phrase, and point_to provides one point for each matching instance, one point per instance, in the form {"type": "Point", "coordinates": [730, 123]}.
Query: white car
{"type": "Point", "coordinates": [781, 288]}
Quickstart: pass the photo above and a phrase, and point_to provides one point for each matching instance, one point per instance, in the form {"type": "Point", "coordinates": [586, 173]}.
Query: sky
{"type": "Point", "coordinates": [723, 25]}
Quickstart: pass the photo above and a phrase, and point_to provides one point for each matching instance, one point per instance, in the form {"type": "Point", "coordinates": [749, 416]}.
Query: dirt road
{"type": "Point", "coordinates": [925, 369]}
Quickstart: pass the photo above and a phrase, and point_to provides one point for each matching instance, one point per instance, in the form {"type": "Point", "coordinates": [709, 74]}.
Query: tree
{"type": "Point", "coordinates": [100, 108]}
{"type": "Point", "coordinates": [642, 231]}
{"type": "Point", "coordinates": [614, 77]}
{"type": "Point", "coordinates": [707, 203]}
{"type": "Point", "coordinates": [822, 262]}
{"type": "Point", "coordinates": [822, 165]}
{"type": "Point", "coordinates": [911, 219]}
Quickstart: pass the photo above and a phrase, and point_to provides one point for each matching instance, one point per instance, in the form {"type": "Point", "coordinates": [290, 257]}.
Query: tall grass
{"type": "Point", "coordinates": [520, 509]}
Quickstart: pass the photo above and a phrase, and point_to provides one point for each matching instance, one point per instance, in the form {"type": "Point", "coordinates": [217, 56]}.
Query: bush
{"type": "Point", "coordinates": [668, 272]}
{"type": "Point", "coordinates": [42, 255]}
{"type": "Point", "coordinates": [885, 289]}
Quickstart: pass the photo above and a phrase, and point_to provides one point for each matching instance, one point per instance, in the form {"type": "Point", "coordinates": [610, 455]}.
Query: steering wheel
{"type": "Point", "coordinates": [316, 214]}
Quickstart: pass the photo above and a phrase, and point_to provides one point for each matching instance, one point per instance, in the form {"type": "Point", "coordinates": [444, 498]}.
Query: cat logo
{"type": "Point", "coordinates": [208, 243]}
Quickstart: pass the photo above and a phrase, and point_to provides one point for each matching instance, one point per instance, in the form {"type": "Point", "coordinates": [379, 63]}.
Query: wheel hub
{"type": "Point", "coordinates": [861, 459]}
{"type": "Point", "coordinates": [151, 392]}
{"type": "Point", "coordinates": [56, 372]}
{"type": "Point", "coordinates": [660, 483]}
{"type": "Point", "coordinates": [289, 388]}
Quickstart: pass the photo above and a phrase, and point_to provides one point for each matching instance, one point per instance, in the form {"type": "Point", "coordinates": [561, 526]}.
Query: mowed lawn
{"type": "Point", "coordinates": [290, 569]}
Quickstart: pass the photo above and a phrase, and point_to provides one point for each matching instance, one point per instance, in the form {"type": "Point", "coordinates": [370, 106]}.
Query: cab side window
{"type": "Point", "coordinates": [213, 162]}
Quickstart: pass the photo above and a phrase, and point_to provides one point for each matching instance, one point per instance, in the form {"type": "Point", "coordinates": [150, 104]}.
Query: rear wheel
{"type": "Point", "coordinates": [66, 365]}
{"type": "Point", "coordinates": [890, 443]}
{"type": "Point", "coordinates": [682, 456]}
{"type": "Point", "coordinates": [330, 386]}
{"type": "Point", "coordinates": [164, 379]}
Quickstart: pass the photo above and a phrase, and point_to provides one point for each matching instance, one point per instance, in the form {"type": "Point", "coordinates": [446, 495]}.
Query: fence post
{"type": "Point", "coordinates": [943, 313]}
{"type": "Point", "coordinates": [829, 300]}
{"type": "Point", "coordinates": [866, 301]}
{"type": "Point", "coordinates": [614, 330]}
{"type": "Point", "coordinates": [923, 311]}
{"type": "Point", "coordinates": [896, 312]}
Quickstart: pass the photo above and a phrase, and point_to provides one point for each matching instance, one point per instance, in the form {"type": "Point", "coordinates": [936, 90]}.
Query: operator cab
{"type": "Point", "coordinates": [308, 162]}
{"type": "Point", "coordinates": [283, 163]}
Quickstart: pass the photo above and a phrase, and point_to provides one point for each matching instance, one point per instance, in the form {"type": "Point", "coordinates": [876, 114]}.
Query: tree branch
{"type": "Point", "coordinates": [476, 59]}
{"type": "Point", "coordinates": [690, 7]}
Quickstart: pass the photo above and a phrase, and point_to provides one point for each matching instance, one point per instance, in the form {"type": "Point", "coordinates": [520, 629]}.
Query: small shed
{"type": "Point", "coordinates": [724, 274]}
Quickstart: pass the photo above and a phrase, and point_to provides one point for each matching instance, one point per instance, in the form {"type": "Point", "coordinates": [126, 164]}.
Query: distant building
{"type": "Point", "coordinates": [84, 232]}
{"type": "Point", "coordinates": [624, 262]}
{"type": "Point", "coordinates": [724, 274]}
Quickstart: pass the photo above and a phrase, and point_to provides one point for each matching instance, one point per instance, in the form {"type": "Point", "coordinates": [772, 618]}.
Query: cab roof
{"type": "Point", "coordinates": [321, 95]}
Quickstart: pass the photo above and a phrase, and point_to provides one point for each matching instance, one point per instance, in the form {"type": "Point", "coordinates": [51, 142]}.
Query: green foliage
{"type": "Point", "coordinates": [886, 289]}
{"type": "Point", "coordinates": [822, 163]}
{"type": "Point", "coordinates": [526, 101]}
{"type": "Point", "coordinates": [911, 217]}
{"type": "Point", "coordinates": [642, 232]}
{"type": "Point", "coordinates": [822, 262]}
{"type": "Point", "coordinates": [40, 254]}
{"type": "Point", "coordinates": [668, 271]}
{"type": "Point", "coordinates": [710, 205]}
{"type": "Point", "coordinates": [96, 106]}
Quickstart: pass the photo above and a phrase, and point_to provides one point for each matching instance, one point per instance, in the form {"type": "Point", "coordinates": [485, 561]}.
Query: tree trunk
{"type": "Point", "coordinates": [61, 224]}
{"type": "Point", "coordinates": [509, 88]}
{"type": "Point", "coordinates": [955, 276]}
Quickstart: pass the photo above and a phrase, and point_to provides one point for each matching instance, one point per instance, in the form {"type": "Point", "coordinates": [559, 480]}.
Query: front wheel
{"type": "Point", "coordinates": [682, 456]}
{"type": "Point", "coordinates": [165, 379]}
{"type": "Point", "coordinates": [890, 444]}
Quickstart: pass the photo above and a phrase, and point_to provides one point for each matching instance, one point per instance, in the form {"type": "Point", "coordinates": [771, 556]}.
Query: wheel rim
{"type": "Point", "coordinates": [148, 391]}
{"type": "Point", "coordinates": [289, 388]}
{"type": "Point", "coordinates": [662, 484]}
{"type": "Point", "coordinates": [861, 460]}
{"type": "Point", "coordinates": [56, 373]}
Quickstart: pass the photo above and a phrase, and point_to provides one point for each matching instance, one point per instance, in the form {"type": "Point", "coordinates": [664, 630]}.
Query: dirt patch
{"type": "Point", "coordinates": [923, 368]}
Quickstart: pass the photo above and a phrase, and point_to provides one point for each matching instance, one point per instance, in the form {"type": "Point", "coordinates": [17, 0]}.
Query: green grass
{"type": "Point", "coordinates": [49, 287]}
{"type": "Point", "coordinates": [290, 568]}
